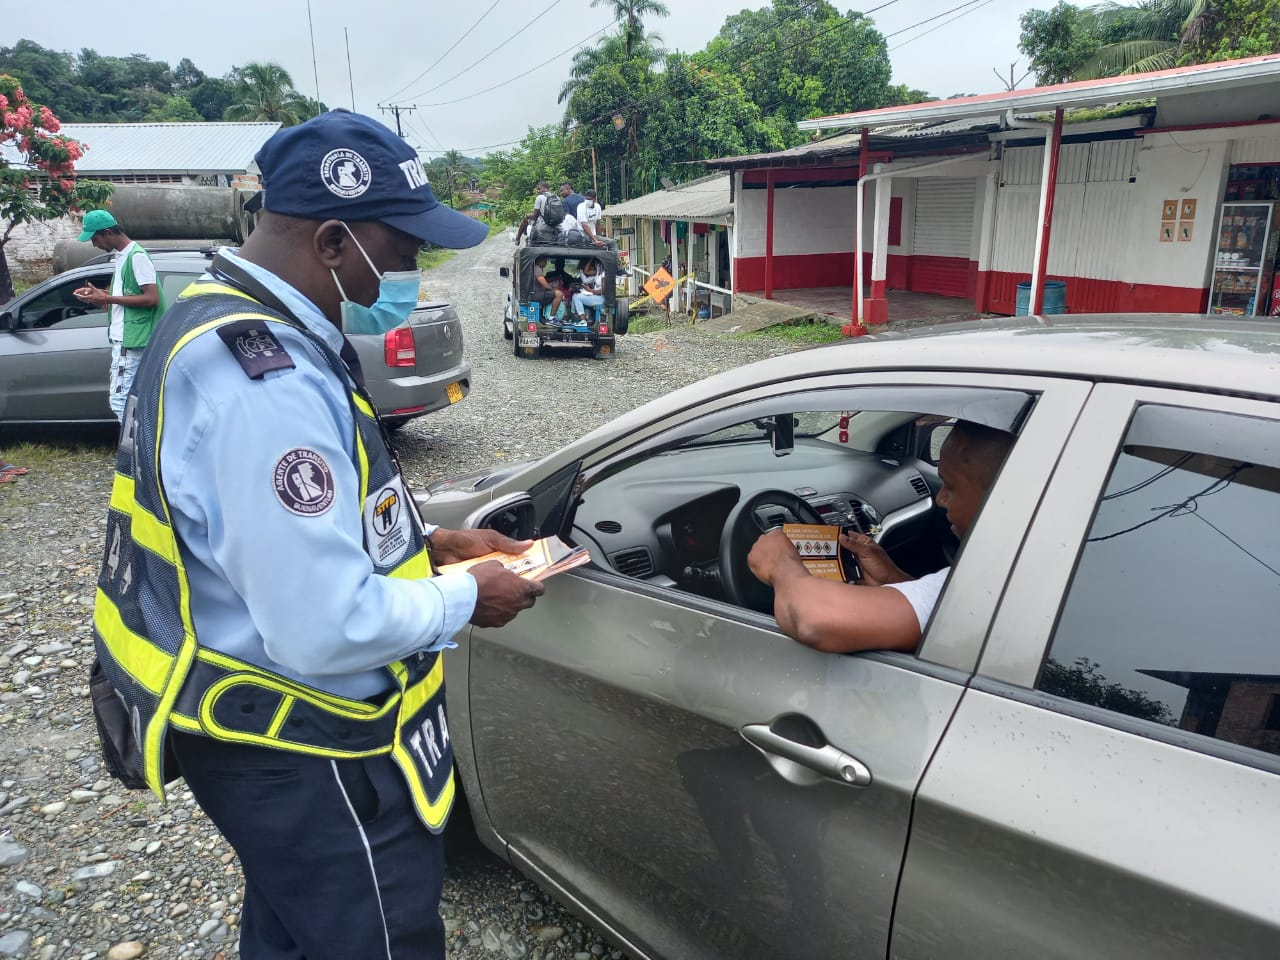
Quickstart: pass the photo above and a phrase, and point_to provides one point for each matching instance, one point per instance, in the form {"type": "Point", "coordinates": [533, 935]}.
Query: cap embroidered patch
{"type": "Point", "coordinates": [345, 173]}
{"type": "Point", "coordinates": [303, 482]}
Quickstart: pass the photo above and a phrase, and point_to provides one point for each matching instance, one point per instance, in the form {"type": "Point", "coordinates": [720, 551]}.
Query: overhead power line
{"type": "Point", "coordinates": [481, 60]}
{"type": "Point", "coordinates": [498, 86]}
{"type": "Point", "coordinates": [756, 50]}
{"type": "Point", "coordinates": [924, 33]}
{"type": "Point", "coordinates": [437, 60]}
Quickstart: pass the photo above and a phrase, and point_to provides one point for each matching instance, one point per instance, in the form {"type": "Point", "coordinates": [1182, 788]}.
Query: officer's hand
{"type": "Point", "coordinates": [450, 546]}
{"type": "Point", "coordinates": [500, 594]}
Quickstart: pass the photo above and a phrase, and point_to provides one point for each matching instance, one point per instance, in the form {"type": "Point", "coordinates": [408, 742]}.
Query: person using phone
{"type": "Point", "coordinates": [134, 300]}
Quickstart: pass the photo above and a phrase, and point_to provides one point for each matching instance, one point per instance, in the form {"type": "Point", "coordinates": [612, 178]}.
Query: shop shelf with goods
{"type": "Point", "coordinates": [1244, 261]}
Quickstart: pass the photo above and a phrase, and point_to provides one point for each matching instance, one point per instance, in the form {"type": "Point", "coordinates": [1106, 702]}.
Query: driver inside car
{"type": "Point", "coordinates": [888, 609]}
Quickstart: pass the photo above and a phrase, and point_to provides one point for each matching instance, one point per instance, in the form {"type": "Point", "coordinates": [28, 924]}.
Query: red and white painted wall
{"type": "Point", "coordinates": [968, 229]}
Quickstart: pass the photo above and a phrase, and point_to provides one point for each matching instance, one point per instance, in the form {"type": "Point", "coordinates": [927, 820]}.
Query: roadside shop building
{"type": "Point", "coordinates": [692, 223]}
{"type": "Point", "coordinates": [1123, 189]}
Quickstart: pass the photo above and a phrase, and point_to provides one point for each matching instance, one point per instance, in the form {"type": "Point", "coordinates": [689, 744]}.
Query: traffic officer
{"type": "Point", "coordinates": [267, 621]}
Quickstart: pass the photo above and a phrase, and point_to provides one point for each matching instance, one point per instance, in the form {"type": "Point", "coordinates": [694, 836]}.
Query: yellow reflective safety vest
{"type": "Point", "coordinates": [146, 641]}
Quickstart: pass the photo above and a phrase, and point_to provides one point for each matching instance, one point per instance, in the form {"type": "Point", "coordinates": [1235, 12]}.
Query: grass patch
{"type": "Point", "coordinates": [36, 455]}
{"type": "Point", "coordinates": [653, 323]}
{"type": "Point", "coordinates": [797, 333]}
{"type": "Point", "coordinates": [430, 259]}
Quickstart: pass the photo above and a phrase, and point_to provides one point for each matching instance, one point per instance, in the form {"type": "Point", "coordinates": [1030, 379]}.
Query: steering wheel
{"type": "Point", "coordinates": [741, 530]}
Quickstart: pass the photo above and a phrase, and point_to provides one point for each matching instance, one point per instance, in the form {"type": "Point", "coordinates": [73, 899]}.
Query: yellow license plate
{"type": "Point", "coordinates": [454, 392]}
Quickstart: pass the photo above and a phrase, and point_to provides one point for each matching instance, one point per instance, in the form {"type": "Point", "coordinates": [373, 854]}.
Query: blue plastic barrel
{"type": "Point", "coordinates": [1055, 298]}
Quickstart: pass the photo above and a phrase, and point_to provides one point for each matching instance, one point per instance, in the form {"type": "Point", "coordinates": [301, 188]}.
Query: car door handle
{"type": "Point", "coordinates": [802, 764]}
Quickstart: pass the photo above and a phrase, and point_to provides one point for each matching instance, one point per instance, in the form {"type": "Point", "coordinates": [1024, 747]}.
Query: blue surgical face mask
{"type": "Point", "coordinates": [397, 296]}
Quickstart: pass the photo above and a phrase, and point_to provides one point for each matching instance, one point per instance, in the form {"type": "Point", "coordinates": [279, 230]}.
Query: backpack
{"type": "Point", "coordinates": [553, 211]}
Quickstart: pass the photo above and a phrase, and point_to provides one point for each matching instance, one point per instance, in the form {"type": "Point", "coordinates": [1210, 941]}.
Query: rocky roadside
{"type": "Point", "coordinates": [89, 870]}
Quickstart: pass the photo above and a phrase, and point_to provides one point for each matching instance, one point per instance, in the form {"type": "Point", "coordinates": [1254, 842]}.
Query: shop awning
{"type": "Point", "coordinates": [705, 200]}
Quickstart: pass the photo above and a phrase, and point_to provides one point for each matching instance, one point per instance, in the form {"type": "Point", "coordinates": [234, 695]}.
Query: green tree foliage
{"type": "Point", "coordinates": [543, 154]}
{"type": "Point", "coordinates": [802, 58]}
{"type": "Point", "coordinates": [1109, 39]}
{"type": "Point", "coordinates": [631, 14]}
{"type": "Point", "coordinates": [176, 109]}
{"type": "Point", "coordinates": [1057, 41]}
{"type": "Point", "coordinates": [697, 113]}
{"type": "Point", "coordinates": [91, 88]}
{"type": "Point", "coordinates": [450, 173]}
{"type": "Point", "coordinates": [265, 91]}
{"type": "Point", "coordinates": [1083, 683]}
{"type": "Point", "coordinates": [1235, 28]}
{"type": "Point", "coordinates": [41, 184]}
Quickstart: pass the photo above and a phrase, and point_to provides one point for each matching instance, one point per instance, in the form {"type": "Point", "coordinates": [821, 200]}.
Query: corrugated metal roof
{"type": "Point", "coordinates": [175, 148]}
{"type": "Point", "coordinates": [705, 199]}
{"type": "Point", "coordinates": [1221, 76]}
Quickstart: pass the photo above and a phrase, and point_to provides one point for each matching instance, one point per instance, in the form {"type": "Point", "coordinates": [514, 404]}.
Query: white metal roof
{"type": "Point", "coordinates": [173, 148]}
{"type": "Point", "coordinates": [705, 200]}
{"type": "Point", "coordinates": [1224, 75]}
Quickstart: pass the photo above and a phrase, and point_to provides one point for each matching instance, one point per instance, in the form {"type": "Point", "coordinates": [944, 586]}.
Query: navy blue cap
{"type": "Point", "coordinates": [345, 166]}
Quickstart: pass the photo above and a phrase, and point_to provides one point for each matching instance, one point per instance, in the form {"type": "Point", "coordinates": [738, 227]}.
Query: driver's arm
{"type": "Point", "coordinates": [829, 616]}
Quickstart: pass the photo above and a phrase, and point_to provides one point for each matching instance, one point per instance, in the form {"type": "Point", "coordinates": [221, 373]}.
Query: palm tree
{"type": "Point", "coordinates": [630, 12]}
{"type": "Point", "coordinates": [1138, 39]}
{"type": "Point", "coordinates": [264, 91]}
{"type": "Point", "coordinates": [448, 171]}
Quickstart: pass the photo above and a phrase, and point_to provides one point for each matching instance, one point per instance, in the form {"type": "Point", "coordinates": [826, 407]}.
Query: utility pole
{"type": "Point", "coordinates": [396, 109]}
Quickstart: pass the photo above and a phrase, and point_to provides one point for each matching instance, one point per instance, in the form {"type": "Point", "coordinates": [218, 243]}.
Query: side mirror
{"type": "Point", "coordinates": [782, 438]}
{"type": "Point", "coordinates": [934, 437]}
{"type": "Point", "coordinates": [6, 321]}
{"type": "Point", "coordinates": [504, 272]}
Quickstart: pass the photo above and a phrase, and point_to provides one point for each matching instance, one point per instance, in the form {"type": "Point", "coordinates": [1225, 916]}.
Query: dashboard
{"type": "Point", "coordinates": [661, 519]}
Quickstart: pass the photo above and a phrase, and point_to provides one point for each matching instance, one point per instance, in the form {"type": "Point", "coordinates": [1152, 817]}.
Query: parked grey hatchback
{"type": "Point", "coordinates": [1082, 758]}
{"type": "Point", "coordinates": [54, 354]}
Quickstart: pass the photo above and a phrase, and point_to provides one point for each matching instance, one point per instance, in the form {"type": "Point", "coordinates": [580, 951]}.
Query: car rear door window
{"type": "Point", "coordinates": [1171, 613]}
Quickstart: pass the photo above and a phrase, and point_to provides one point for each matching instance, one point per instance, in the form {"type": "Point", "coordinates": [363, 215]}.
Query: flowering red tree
{"type": "Point", "coordinates": [40, 184]}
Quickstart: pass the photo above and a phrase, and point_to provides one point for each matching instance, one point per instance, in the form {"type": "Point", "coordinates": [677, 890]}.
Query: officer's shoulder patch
{"type": "Point", "coordinates": [303, 482]}
{"type": "Point", "coordinates": [255, 347]}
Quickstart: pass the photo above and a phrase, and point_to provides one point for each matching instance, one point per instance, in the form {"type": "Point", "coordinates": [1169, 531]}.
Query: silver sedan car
{"type": "Point", "coordinates": [54, 353]}
{"type": "Point", "coordinates": [1082, 759]}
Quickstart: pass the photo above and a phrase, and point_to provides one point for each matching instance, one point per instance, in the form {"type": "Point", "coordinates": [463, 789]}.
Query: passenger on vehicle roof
{"type": "Point", "coordinates": [588, 214]}
{"type": "Point", "coordinates": [547, 287]}
{"type": "Point", "coordinates": [543, 190]}
{"type": "Point", "coordinates": [888, 609]}
{"type": "Point", "coordinates": [572, 200]}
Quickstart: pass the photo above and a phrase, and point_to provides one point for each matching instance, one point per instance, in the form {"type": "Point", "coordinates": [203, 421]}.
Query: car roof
{"type": "Point", "coordinates": [1217, 354]}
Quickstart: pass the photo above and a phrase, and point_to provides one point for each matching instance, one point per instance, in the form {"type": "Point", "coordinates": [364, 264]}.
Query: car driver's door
{"type": "Point", "coordinates": [56, 356]}
{"type": "Point", "coordinates": [712, 788]}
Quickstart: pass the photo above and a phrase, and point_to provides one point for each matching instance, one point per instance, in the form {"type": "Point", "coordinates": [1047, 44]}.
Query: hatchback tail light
{"type": "Point", "coordinates": [399, 348]}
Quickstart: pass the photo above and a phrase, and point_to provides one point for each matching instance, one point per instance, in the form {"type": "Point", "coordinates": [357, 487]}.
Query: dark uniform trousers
{"type": "Point", "coordinates": [337, 864]}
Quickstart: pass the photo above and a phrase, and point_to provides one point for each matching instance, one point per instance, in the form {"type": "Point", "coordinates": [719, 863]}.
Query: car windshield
{"type": "Point", "coordinates": [807, 425]}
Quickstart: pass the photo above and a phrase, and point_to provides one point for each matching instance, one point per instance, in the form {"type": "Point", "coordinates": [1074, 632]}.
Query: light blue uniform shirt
{"type": "Point", "coordinates": [295, 594]}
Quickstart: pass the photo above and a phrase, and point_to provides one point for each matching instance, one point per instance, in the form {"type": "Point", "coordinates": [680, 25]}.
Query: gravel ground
{"type": "Point", "coordinates": [89, 870]}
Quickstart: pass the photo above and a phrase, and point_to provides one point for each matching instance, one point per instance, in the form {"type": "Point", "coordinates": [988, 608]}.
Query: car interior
{"type": "Point", "coordinates": [685, 514]}
{"type": "Point", "coordinates": [58, 308]}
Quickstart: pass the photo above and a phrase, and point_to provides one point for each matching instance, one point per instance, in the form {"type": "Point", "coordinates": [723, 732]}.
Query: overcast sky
{"type": "Point", "coordinates": [394, 41]}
